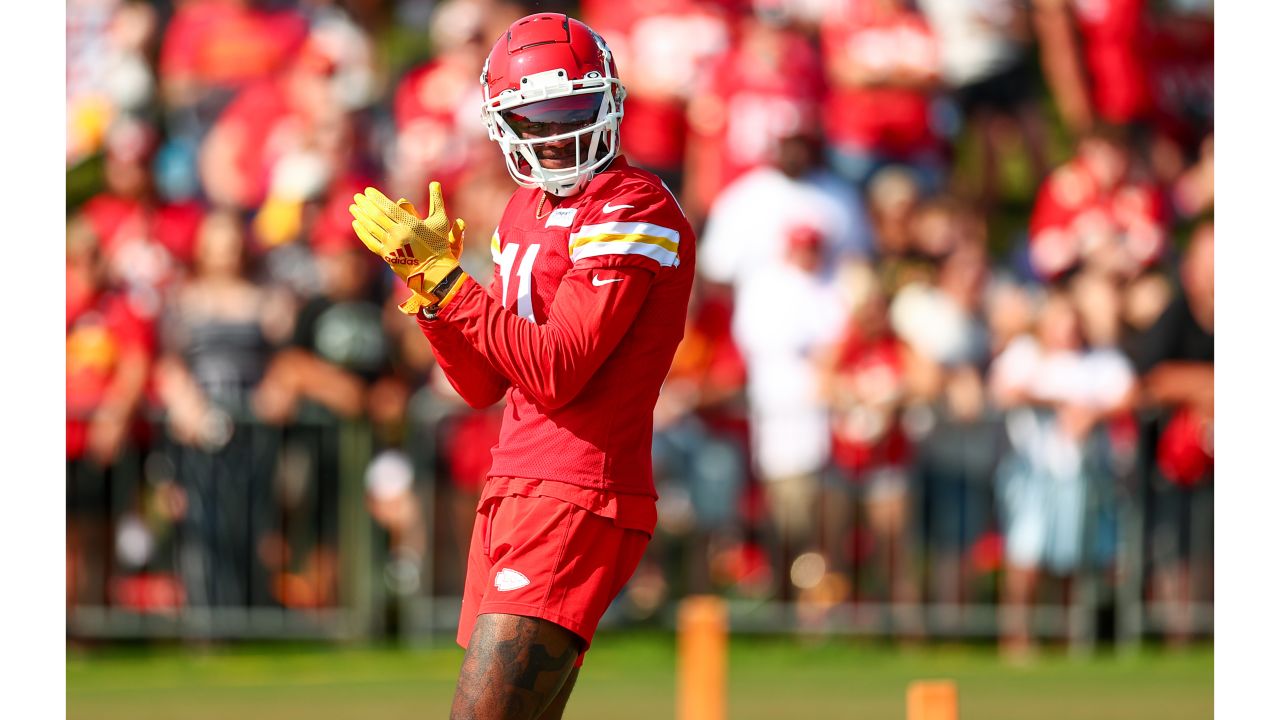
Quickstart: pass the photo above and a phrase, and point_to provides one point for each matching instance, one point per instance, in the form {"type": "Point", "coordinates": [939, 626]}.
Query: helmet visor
{"type": "Point", "coordinates": [546, 118]}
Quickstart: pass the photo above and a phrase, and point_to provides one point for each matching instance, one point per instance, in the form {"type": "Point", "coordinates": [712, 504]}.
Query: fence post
{"type": "Point", "coordinates": [355, 536]}
{"type": "Point", "coordinates": [418, 614]}
{"type": "Point", "coordinates": [1081, 616]}
{"type": "Point", "coordinates": [1131, 561]}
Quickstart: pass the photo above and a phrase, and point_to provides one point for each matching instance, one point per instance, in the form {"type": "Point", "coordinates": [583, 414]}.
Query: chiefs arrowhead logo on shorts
{"type": "Point", "coordinates": [401, 256]}
{"type": "Point", "coordinates": [508, 579]}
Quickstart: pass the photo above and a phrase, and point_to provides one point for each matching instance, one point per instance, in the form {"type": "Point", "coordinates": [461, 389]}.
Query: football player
{"type": "Point", "coordinates": [594, 265]}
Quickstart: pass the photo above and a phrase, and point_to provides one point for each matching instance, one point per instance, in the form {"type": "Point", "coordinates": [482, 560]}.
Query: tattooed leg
{"type": "Point", "coordinates": [514, 668]}
{"type": "Point", "coordinates": [555, 711]}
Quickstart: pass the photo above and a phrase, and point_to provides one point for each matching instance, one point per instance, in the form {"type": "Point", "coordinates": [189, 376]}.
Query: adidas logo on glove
{"type": "Point", "coordinates": [402, 256]}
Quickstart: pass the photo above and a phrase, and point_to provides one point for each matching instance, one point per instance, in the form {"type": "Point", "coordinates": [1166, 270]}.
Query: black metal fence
{"type": "Point", "coordinates": [314, 531]}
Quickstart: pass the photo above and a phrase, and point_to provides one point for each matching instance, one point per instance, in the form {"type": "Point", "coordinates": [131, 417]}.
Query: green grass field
{"type": "Point", "coordinates": [631, 677]}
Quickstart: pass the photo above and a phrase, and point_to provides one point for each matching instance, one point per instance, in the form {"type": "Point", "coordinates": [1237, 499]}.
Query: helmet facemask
{"type": "Point", "coordinates": [585, 112]}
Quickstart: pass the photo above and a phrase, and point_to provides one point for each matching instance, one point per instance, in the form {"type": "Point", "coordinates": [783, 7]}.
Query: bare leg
{"type": "Point", "coordinates": [887, 516]}
{"type": "Point", "coordinates": [555, 711]}
{"type": "Point", "coordinates": [990, 141]}
{"type": "Point", "coordinates": [1173, 590]}
{"type": "Point", "coordinates": [1016, 637]}
{"type": "Point", "coordinates": [1035, 139]}
{"type": "Point", "coordinates": [514, 668]}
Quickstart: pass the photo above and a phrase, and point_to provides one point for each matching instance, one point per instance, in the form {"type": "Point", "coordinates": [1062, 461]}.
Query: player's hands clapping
{"type": "Point", "coordinates": [421, 250]}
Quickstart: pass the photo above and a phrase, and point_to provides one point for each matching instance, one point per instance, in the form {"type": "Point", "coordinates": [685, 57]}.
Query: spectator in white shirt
{"type": "Point", "coordinates": [1056, 392]}
{"type": "Point", "coordinates": [782, 319]}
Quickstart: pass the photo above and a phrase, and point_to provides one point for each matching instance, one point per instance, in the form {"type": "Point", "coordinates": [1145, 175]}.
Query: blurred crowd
{"type": "Point", "coordinates": [955, 295]}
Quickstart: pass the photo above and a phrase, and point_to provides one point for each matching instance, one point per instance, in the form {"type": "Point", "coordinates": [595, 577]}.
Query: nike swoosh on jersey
{"type": "Point", "coordinates": [595, 280]}
{"type": "Point", "coordinates": [610, 208]}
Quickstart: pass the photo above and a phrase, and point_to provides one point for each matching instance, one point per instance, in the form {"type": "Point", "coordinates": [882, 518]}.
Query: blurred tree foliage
{"type": "Point", "coordinates": [84, 180]}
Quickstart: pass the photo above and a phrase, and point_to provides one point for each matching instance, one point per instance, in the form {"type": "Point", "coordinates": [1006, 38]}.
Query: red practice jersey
{"type": "Point", "coordinates": [578, 330]}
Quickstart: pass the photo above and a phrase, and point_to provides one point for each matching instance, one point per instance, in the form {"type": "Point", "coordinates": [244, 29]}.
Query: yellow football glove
{"type": "Point", "coordinates": [422, 251]}
{"type": "Point", "coordinates": [455, 233]}
{"type": "Point", "coordinates": [415, 302]}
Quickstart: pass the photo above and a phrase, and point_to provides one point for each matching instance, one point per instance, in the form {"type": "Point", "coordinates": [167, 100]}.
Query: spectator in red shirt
{"type": "Point", "coordinates": [144, 240]}
{"type": "Point", "coordinates": [863, 380]}
{"type": "Point", "coordinates": [665, 47]}
{"type": "Point", "coordinates": [883, 63]}
{"type": "Point", "coordinates": [1179, 52]}
{"type": "Point", "coordinates": [109, 353]}
{"type": "Point", "coordinates": [1093, 55]}
{"type": "Point", "coordinates": [284, 117]}
{"type": "Point", "coordinates": [1096, 212]}
{"type": "Point", "coordinates": [435, 140]}
{"type": "Point", "coordinates": [212, 48]}
{"type": "Point", "coordinates": [750, 98]}
{"type": "Point", "coordinates": [437, 137]}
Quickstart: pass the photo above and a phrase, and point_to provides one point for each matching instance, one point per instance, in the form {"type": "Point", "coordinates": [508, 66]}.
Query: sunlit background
{"type": "Point", "coordinates": [946, 379]}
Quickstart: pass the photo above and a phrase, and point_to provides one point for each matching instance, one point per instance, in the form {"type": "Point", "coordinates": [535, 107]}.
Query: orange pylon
{"type": "Point", "coordinates": [702, 657]}
{"type": "Point", "coordinates": [932, 700]}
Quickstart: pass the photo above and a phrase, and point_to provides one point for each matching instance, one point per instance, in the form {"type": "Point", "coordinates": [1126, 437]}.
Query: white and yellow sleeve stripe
{"type": "Point", "coordinates": [495, 246]}
{"type": "Point", "coordinates": [626, 238]}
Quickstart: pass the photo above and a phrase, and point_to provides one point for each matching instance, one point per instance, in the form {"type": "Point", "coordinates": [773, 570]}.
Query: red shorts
{"type": "Point", "coordinates": [546, 558]}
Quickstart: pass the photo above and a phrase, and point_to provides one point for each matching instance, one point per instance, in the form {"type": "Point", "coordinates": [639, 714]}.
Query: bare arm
{"type": "Point", "coordinates": [182, 399]}
{"type": "Point", "coordinates": [1063, 67]}
{"type": "Point", "coordinates": [110, 423]}
{"type": "Point", "coordinates": [295, 374]}
{"type": "Point", "coordinates": [1176, 382]}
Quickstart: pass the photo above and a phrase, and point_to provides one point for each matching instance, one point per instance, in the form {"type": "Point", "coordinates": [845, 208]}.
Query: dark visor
{"type": "Point", "coordinates": [552, 117]}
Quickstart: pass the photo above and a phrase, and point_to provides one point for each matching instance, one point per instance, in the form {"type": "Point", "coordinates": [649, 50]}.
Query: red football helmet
{"type": "Point", "coordinates": [553, 102]}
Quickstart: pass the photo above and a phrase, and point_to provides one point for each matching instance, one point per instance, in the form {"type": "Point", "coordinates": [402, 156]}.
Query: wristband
{"type": "Point", "coordinates": [442, 288]}
{"type": "Point", "coordinates": [443, 292]}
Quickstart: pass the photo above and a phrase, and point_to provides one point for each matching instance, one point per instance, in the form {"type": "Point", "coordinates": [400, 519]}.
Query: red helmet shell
{"type": "Point", "coordinates": [542, 42]}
